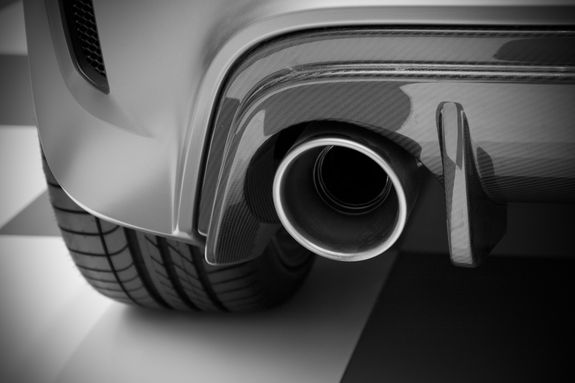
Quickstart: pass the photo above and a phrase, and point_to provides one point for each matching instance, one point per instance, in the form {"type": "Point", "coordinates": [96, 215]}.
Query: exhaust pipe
{"type": "Point", "coordinates": [345, 198]}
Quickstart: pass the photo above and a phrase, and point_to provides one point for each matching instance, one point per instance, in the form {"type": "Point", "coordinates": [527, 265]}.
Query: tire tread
{"type": "Point", "coordinates": [150, 271]}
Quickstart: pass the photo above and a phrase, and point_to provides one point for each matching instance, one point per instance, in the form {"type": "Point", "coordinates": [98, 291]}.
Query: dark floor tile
{"type": "Point", "coordinates": [36, 219]}
{"type": "Point", "coordinates": [16, 103]}
{"type": "Point", "coordinates": [511, 320]}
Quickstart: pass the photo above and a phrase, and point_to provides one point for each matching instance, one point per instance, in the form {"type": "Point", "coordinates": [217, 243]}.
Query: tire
{"type": "Point", "coordinates": [132, 267]}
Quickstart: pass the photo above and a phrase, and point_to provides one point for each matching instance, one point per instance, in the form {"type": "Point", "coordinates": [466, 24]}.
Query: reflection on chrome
{"type": "Point", "coordinates": [342, 199]}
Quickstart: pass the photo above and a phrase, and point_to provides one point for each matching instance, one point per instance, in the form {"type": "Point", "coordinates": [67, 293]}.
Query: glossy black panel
{"type": "Point", "coordinates": [518, 103]}
{"type": "Point", "coordinates": [474, 223]}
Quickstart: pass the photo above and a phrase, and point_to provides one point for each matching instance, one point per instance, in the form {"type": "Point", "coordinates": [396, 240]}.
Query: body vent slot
{"type": "Point", "coordinates": [83, 41]}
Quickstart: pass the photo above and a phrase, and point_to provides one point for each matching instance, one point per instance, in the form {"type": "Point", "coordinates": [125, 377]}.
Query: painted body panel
{"type": "Point", "coordinates": [136, 155]}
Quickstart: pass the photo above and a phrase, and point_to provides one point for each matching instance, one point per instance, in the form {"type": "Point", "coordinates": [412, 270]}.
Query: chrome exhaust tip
{"type": "Point", "coordinates": [342, 199]}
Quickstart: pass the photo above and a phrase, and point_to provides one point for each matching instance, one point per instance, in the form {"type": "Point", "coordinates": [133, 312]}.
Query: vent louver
{"type": "Point", "coordinates": [83, 41]}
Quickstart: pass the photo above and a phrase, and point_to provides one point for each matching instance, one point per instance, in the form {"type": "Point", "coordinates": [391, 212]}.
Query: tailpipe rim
{"type": "Point", "coordinates": [309, 243]}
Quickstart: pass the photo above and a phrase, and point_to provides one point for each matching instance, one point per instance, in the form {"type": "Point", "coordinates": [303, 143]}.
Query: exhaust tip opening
{"type": "Point", "coordinates": [350, 181]}
{"type": "Point", "coordinates": [339, 199]}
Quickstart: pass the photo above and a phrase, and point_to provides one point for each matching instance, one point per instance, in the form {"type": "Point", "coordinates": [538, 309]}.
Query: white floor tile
{"type": "Point", "coordinates": [46, 308]}
{"type": "Point", "coordinates": [21, 176]}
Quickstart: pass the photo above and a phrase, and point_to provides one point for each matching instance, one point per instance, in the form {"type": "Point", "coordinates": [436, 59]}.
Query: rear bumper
{"type": "Point", "coordinates": [137, 156]}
